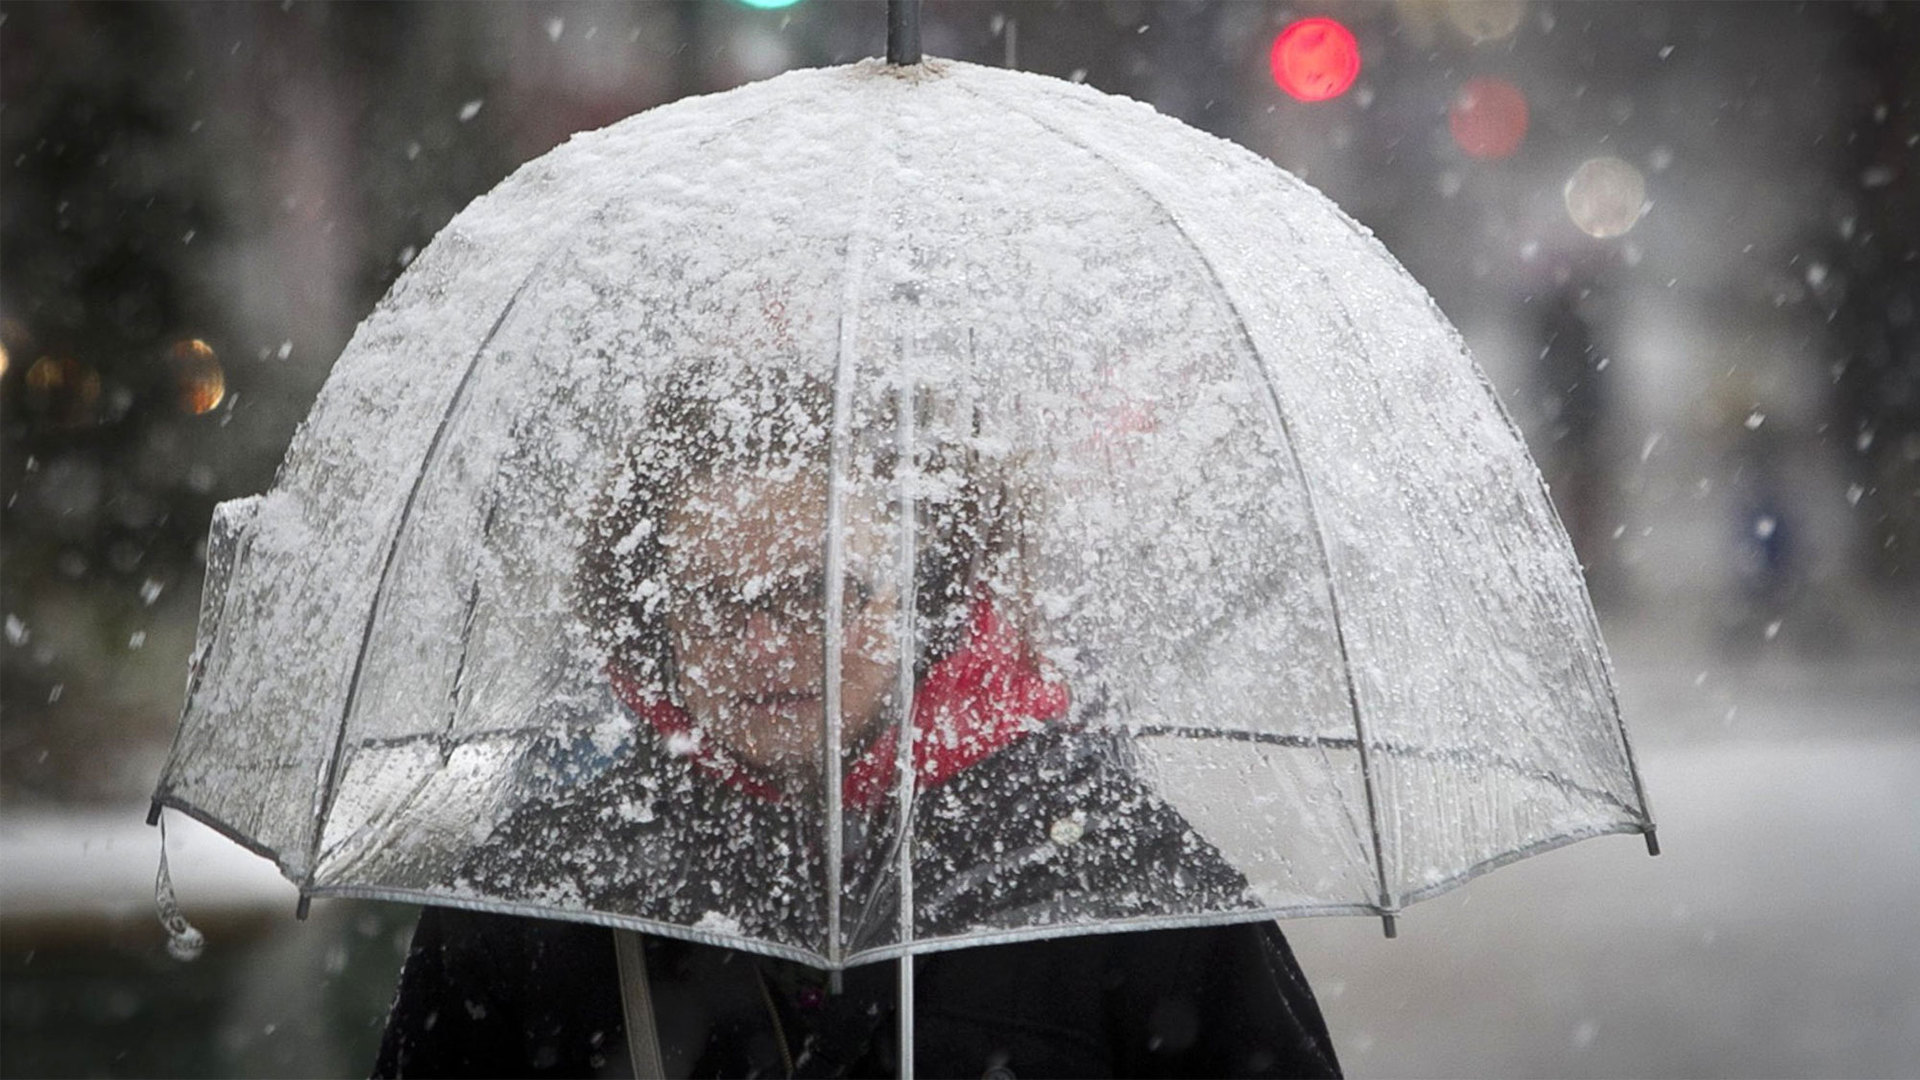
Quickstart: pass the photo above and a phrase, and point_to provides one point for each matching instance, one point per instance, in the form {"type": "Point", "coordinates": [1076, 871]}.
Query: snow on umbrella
{"type": "Point", "coordinates": [886, 509]}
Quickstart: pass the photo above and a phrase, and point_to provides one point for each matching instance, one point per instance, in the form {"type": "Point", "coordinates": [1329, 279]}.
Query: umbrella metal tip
{"type": "Point", "coordinates": [153, 812]}
{"type": "Point", "coordinates": [1653, 841]}
{"type": "Point", "coordinates": [1390, 924]}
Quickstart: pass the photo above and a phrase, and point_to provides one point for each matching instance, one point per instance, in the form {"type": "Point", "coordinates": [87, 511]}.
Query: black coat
{"type": "Point", "coordinates": [987, 852]}
{"type": "Point", "coordinates": [499, 995]}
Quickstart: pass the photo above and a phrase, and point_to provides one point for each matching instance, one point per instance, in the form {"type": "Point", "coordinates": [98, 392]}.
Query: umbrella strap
{"type": "Point", "coordinates": [183, 941]}
{"type": "Point", "coordinates": [636, 1002]}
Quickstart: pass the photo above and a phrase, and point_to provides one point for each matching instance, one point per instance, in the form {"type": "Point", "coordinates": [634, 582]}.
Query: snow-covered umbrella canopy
{"type": "Point", "coordinates": [1157, 495]}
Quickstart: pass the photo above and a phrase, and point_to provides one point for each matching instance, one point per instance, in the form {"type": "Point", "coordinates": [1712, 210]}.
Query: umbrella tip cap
{"type": "Point", "coordinates": [306, 904]}
{"type": "Point", "coordinates": [1390, 924]}
{"type": "Point", "coordinates": [153, 813]}
{"type": "Point", "coordinates": [1653, 841]}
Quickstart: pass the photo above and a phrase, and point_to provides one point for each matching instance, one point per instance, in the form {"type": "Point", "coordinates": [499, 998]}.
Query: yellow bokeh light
{"type": "Point", "coordinates": [63, 387]}
{"type": "Point", "coordinates": [13, 335]}
{"type": "Point", "coordinates": [199, 382]}
{"type": "Point", "coordinates": [1485, 20]}
{"type": "Point", "coordinates": [46, 375]}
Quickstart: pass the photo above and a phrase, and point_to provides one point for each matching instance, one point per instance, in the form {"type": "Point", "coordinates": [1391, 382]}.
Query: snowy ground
{"type": "Point", "coordinates": [1778, 934]}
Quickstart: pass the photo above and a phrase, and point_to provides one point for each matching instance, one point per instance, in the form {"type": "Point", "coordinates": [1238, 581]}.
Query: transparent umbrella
{"type": "Point", "coordinates": [886, 509]}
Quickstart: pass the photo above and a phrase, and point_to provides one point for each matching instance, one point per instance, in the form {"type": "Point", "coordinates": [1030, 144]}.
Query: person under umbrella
{"type": "Point", "coordinates": [1297, 603]}
{"type": "Point", "coordinates": [705, 583]}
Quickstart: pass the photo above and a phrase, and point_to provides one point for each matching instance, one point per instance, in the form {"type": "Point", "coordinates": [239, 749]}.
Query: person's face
{"type": "Point", "coordinates": [746, 563]}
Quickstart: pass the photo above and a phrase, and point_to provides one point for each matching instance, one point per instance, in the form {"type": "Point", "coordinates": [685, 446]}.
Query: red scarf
{"type": "Point", "coordinates": [986, 695]}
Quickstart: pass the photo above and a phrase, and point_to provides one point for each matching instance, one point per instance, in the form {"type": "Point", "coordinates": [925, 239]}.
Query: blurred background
{"type": "Point", "coordinates": [1683, 239]}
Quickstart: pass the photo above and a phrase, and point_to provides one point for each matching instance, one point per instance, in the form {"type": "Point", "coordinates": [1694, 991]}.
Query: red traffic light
{"type": "Point", "coordinates": [1315, 59]}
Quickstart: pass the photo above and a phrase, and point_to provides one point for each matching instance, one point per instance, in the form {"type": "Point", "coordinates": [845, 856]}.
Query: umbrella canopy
{"type": "Point", "coordinates": [883, 509]}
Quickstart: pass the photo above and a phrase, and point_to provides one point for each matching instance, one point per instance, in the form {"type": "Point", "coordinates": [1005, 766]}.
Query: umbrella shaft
{"type": "Point", "coordinates": [905, 1071]}
{"type": "Point", "coordinates": [903, 32]}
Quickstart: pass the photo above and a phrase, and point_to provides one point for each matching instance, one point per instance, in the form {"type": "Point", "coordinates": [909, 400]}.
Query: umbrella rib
{"type": "Point", "coordinates": [859, 256]}
{"type": "Point", "coordinates": [1394, 749]}
{"type": "Point", "coordinates": [1388, 906]}
{"type": "Point", "coordinates": [466, 635]}
{"type": "Point", "coordinates": [460, 667]}
{"type": "Point", "coordinates": [393, 742]}
{"type": "Point", "coordinates": [325, 796]}
{"type": "Point", "coordinates": [218, 824]}
{"type": "Point", "coordinates": [906, 774]}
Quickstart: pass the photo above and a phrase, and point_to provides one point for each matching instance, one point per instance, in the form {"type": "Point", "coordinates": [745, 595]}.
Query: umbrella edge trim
{"type": "Point", "coordinates": [233, 833]}
{"type": "Point", "coordinates": [950, 942]}
{"type": "Point", "coordinates": [1538, 847]}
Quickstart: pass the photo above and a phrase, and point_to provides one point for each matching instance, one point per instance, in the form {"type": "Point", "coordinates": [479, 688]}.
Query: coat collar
{"type": "Point", "coordinates": [986, 695]}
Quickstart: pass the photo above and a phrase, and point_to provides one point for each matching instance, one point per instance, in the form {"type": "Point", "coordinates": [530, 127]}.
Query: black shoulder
{"type": "Point", "coordinates": [1217, 1001]}
{"type": "Point", "coordinates": [1214, 1001]}
{"type": "Point", "coordinates": [1060, 827]}
{"type": "Point", "coordinates": [500, 995]}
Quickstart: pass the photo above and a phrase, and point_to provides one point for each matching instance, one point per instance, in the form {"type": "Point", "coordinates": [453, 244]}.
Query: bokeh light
{"type": "Point", "coordinates": [1488, 118]}
{"type": "Point", "coordinates": [199, 383]}
{"type": "Point", "coordinates": [46, 377]}
{"type": "Point", "coordinates": [63, 388]}
{"type": "Point", "coordinates": [1485, 20]}
{"type": "Point", "coordinates": [13, 336]}
{"type": "Point", "coordinates": [1315, 59]}
{"type": "Point", "coordinates": [1605, 197]}
{"type": "Point", "coordinates": [769, 5]}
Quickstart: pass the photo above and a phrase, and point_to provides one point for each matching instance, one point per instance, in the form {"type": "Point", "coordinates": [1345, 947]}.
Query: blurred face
{"type": "Point", "coordinates": [746, 558]}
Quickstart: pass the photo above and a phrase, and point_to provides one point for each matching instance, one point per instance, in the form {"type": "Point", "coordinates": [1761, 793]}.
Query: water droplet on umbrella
{"type": "Point", "coordinates": [1066, 831]}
